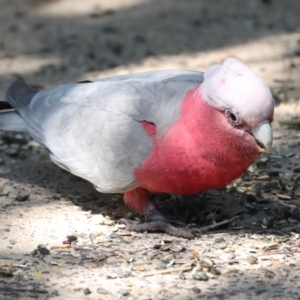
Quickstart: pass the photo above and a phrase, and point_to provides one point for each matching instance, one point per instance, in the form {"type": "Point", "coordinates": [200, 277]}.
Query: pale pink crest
{"type": "Point", "coordinates": [234, 85]}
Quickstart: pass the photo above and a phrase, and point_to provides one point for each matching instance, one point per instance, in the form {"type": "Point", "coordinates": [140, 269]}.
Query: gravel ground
{"type": "Point", "coordinates": [61, 239]}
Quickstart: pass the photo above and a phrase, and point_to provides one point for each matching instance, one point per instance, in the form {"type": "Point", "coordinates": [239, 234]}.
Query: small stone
{"type": "Point", "coordinates": [231, 256]}
{"type": "Point", "coordinates": [42, 249]}
{"type": "Point", "coordinates": [125, 293]}
{"type": "Point", "coordinates": [12, 152]}
{"type": "Point", "coordinates": [276, 165]}
{"type": "Point", "coordinates": [196, 290]}
{"type": "Point", "coordinates": [159, 264]}
{"type": "Point", "coordinates": [108, 222]}
{"type": "Point", "coordinates": [206, 263]}
{"type": "Point", "coordinates": [114, 235]}
{"type": "Point", "coordinates": [252, 260]}
{"type": "Point", "coordinates": [5, 273]}
{"type": "Point", "coordinates": [71, 238]}
{"type": "Point", "coordinates": [34, 252]}
{"type": "Point", "coordinates": [124, 274]}
{"type": "Point", "coordinates": [101, 291]}
{"type": "Point", "coordinates": [268, 222]}
{"type": "Point", "coordinates": [215, 271]}
{"type": "Point", "coordinates": [22, 198]}
{"type": "Point", "coordinates": [200, 276]}
{"type": "Point", "coordinates": [177, 248]}
{"type": "Point", "coordinates": [219, 240]}
{"type": "Point", "coordinates": [270, 185]}
{"type": "Point", "coordinates": [273, 173]}
{"type": "Point", "coordinates": [269, 274]}
{"type": "Point", "coordinates": [251, 198]}
{"type": "Point", "coordinates": [222, 246]}
{"type": "Point", "coordinates": [87, 291]}
{"type": "Point", "coordinates": [297, 170]}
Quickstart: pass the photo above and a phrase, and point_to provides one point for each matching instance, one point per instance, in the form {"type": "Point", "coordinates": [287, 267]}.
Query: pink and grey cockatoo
{"type": "Point", "coordinates": [176, 132]}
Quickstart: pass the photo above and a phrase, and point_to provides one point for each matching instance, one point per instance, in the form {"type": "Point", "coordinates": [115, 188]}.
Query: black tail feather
{"type": "Point", "coordinates": [19, 94]}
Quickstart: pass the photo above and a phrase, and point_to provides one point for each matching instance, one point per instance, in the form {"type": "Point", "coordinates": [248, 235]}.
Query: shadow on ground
{"type": "Point", "coordinates": [107, 38]}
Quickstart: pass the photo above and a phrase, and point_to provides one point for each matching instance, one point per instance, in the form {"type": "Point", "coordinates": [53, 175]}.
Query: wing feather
{"type": "Point", "coordinates": [93, 129]}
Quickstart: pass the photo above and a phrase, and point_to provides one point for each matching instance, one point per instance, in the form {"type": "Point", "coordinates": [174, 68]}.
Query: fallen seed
{"type": "Point", "coordinates": [284, 197]}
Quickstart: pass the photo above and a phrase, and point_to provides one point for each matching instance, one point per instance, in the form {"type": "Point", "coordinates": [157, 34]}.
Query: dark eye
{"type": "Point", "coordinates": [233, 117]}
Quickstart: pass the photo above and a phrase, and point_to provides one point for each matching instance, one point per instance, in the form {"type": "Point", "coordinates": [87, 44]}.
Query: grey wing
{"type": "Point", "coordinates": [93, 129]}
{"type": "Point", "coordinates": [89, 137]}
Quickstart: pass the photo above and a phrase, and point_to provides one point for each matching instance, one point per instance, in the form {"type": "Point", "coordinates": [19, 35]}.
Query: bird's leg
{"type": "Point", "coordinates": [139, 200]}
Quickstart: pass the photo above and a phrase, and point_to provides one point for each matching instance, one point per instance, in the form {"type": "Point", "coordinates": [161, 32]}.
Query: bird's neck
{"type": "Point", "coordinates": [200, 151]}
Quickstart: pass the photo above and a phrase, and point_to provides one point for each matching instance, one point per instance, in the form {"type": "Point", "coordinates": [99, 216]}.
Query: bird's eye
{"type": "Point", "coordinates": [233, 118]}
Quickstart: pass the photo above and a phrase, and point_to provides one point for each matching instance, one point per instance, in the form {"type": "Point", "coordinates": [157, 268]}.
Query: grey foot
{"type": "Point", "coordinates": [159, 226]}
{"type": "Point", "coordinates": [154, 216]}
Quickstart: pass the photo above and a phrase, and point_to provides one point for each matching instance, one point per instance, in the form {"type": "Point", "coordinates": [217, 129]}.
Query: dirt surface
{"type": "Point", "coordinates": [60, 238]}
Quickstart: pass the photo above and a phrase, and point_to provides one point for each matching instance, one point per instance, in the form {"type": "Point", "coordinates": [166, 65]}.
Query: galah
{"type": "Point", "coordinates": [177, 132]}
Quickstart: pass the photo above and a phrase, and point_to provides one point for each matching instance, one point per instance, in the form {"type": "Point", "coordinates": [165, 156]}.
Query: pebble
{"type": "Point", "coordinates": [125, 274]}
{"type": "Point", "coordinates": [215, 271]}
{"type": "Point", "coordinates": [269, 274]}
{"type": "Point", "coordinates": [252, 260]}
{"type": "Point", "coordinates": [71, 238]}
{"type": "Point", "coordinates": [222, 246]}
{"type": "Point", "coordinates": [273, 173]}
{"type": "Point", "coordinates": [206, 263]}
{"type": "Point", "coordinates": [5, 273]}
{"type": "Point", "coordinates": [177, 248]}
{"type": "Point", "coordinates": [87, 291]}
{"type": "Point", "coordinates": [22, 198]}
{"type": "Point", "coordinates": [101, 291]}
{"type": "Point", "coordinates": [12, 152]}
{"type": "Point", "coordinates": [125, 292]}
{"type": "Point", "coordinates": [34, 252]}
{"type": "Point", "coordinates": [43, 249]}
{"type": "Point", "coordinates": [231, 256]}
{"type": "Point", "coordinates": [297, 170]}
{"type": "Point", "coordinates": [268, 222]}
{"type": "Point", "coordinates": [270, 185]}
{"type": "Point", "coordinates": [219, 240]}
{"type": "Point", "coordinates": [196, 290]}
{"type": "Point", "coordinates": [160, 265]}
{"type": "Point", "coordinates": [200, 276]}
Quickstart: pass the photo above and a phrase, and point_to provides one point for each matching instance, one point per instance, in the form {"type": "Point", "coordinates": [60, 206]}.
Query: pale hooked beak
{"type": "Point", "coordinates": [263, 136]}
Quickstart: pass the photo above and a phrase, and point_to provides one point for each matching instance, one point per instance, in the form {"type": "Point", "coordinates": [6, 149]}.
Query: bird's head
{"type": "Point", "coordinates": [243, 97]}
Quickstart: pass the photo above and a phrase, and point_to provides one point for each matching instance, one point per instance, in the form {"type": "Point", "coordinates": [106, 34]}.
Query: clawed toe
{"type": "Point", "coordinates": [159, 226]}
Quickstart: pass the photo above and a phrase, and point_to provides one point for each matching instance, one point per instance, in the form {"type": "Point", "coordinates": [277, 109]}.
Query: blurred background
{"type": "Point", "coordinates": [57, 41]}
